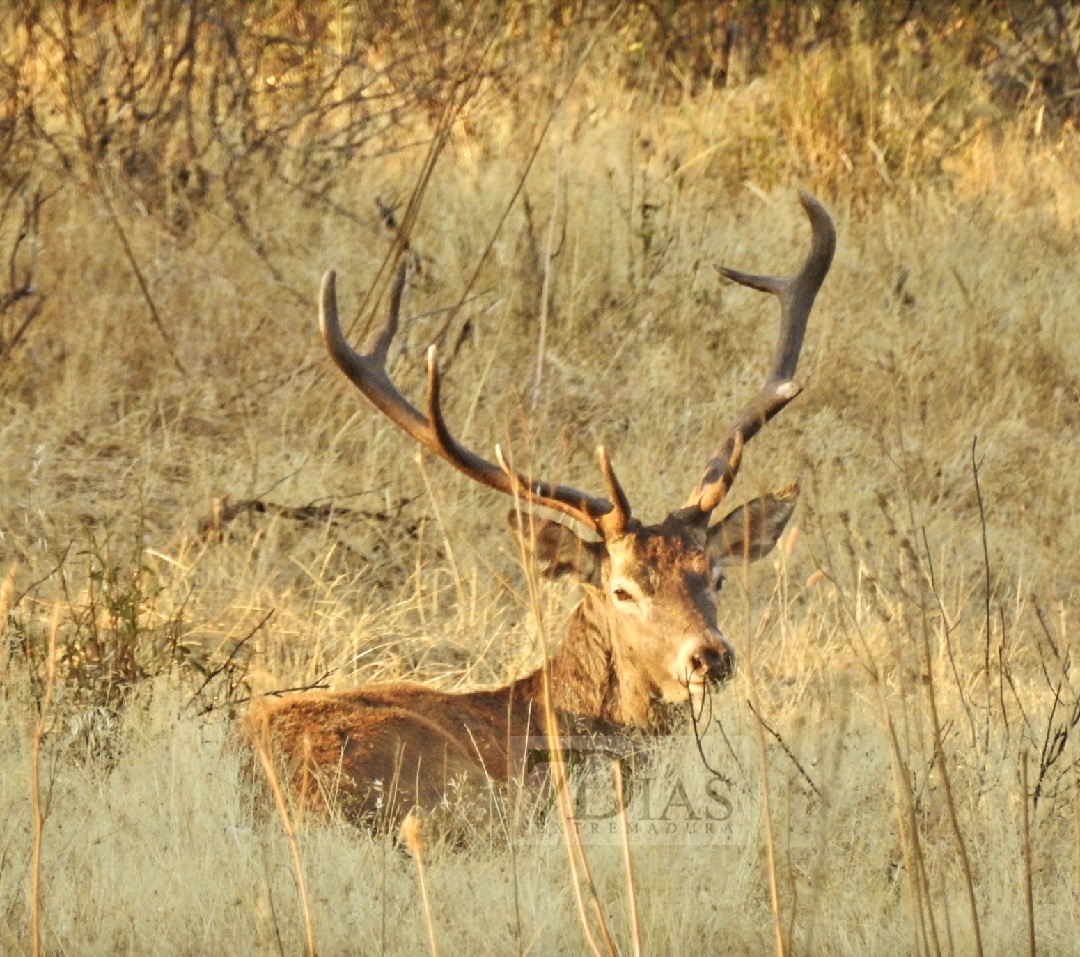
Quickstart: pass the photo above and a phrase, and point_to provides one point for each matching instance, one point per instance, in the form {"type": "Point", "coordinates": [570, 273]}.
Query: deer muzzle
{"type": "Point", "coordinates": [706, 662]}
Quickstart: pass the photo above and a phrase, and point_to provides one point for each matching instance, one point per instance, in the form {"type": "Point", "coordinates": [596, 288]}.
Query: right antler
{"type": "Point", "coordinates": [796, 294]}
{"type": "Point", "coordinates": [368, 373]}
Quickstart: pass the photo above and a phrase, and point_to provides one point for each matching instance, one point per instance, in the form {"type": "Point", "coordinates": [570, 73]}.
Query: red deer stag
{"type": "Point", "coordinates": [644, 635]}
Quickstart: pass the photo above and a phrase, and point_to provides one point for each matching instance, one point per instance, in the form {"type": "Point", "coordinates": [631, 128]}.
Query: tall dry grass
{"type": "Point", "coordinates": [218, 516]}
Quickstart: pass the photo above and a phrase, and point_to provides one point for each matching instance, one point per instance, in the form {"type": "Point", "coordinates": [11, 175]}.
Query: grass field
{"type": "Point", "coordinates": [196, 508]}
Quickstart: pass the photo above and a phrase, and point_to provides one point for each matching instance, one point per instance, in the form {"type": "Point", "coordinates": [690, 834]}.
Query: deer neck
{"type": "Point", "coordinates": [593, 685]}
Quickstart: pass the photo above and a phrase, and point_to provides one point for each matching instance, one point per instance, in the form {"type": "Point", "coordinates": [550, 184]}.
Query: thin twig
{"type": "Point", "coordinates": [14, 602]}
{"type": "Point", "coordinates": [413, 835]}
{"type": "Point", "coordinates": [948, 639]}
{"type": "Point", "coordinates": [779, 943]}
{"type": "Point", "coordinates": [545, 293]}
{"type": "Point", "coordinates": [1045, 628]}
{"type": "Point", "coordinates": [229, 659]}
{"type": "Point", "coordinates": [319, 684]}
{"type": "Point", "coordinates": [452, 107]}
{"type": "Point", "coordinates": [144, 286]}
{"type": "Point", "coordinates": [1025, 823]}
{"type": "Point", "coordinates": [1055, 740]}
{"type": "Point", "coordinates": [261, 744]}
{"type": "Point", "coordinates": [37, 815]}
{"type": "Point", "coordinates": [787, 750]}
{"type": "Point", "coordinates": [624, 836]}
{"type": "Point", "coordinates": [986, 570]}
{"type": "Point", "coordinates": [16, 337]}
{"type": "Point", "coordinates": [699, 733]}
{"type": "Point", "coordinates": [935, 719]}
{"type": "Point", "coordinates": [1002, 668]}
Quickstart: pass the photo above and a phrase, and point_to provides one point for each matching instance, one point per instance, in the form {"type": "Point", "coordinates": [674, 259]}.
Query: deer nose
{"type": "Point", "coordinates": [714, 662]}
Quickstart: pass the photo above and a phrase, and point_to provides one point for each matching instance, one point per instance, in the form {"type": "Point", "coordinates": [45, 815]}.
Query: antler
{"type": "Point", "coordinates": [796, 294]}
{"type": "Point", "coordinates": [368, 373]}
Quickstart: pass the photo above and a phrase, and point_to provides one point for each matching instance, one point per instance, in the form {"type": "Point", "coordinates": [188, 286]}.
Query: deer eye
{"type": "Point", "coordinates": [621, 594]}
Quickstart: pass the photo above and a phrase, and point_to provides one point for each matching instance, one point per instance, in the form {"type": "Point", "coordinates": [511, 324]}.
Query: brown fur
{"type": "Point", "coordinates": [380, 750]}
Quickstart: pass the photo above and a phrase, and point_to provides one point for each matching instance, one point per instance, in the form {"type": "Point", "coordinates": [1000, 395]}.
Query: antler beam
{"type": "Point", "coordinates": [796, 294]}
{"type": "Point", "coordinates": [368, 373]}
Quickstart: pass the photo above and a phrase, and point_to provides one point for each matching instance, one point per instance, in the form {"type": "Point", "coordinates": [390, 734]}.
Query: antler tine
{"type": "Point", "coordinates": [381, 348]}
{"type": "Point", "coordinates": [615, 522]}
{"type": "Point", "coordinates": [368, 373]}
{"type": "Point", "coordinates": [796, 294]}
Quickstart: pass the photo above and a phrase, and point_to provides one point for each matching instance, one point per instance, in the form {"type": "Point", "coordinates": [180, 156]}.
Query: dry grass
{"type": "Point", "coordinates": [949, 315]}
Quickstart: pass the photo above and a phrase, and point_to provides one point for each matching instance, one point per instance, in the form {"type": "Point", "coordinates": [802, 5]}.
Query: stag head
{"type": "Point", "coordinates": [652, 589]}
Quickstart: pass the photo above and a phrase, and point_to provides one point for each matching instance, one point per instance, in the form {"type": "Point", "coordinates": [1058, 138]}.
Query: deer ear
{"type": "Point", "coordinates": [751, 531]}
{"type": "Point", "coordinates": [561, 551]}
